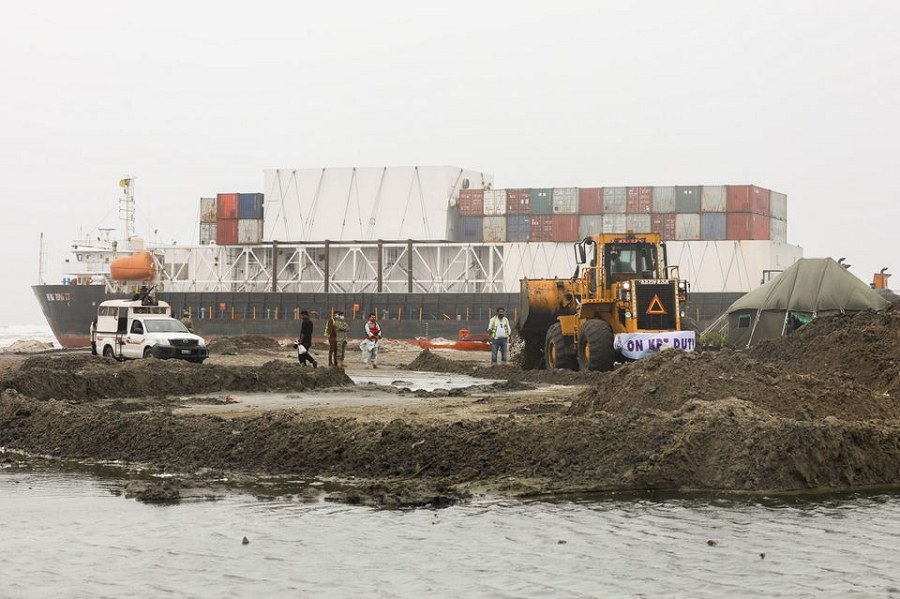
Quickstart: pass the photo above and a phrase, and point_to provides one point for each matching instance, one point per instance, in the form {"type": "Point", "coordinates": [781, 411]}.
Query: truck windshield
{"type": "Point", "coordinates": [637, 258]}
{"type": "Point", "coordinates": [164, 325]}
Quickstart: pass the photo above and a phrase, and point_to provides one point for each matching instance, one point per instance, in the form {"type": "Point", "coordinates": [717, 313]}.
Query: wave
{"type": "Point", "coordinates": [9, 334]}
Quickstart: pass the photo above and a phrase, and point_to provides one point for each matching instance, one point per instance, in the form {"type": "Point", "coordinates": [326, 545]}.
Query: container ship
{"type": "Point", "coordinates": [432, 250]}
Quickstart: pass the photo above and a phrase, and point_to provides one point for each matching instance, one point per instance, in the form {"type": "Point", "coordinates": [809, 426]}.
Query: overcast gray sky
{"type": "Point", "coordinates": [801, 97]}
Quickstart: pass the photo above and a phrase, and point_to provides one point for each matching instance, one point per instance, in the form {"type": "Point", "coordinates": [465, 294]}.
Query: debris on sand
{"type": "Point", "coordinates": [26, 346]}
{"type": "Point", "coordinates": [86, 378]}
{"type": "Point", "coordinates": [235, 345]}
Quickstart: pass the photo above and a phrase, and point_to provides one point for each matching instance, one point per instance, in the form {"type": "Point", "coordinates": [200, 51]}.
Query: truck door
{"type": "Point", "coordinates": [134, 341]}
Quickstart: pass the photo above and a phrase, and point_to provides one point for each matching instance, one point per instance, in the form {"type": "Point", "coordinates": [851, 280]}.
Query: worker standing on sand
{"type": "Point", "coordinates": [305, 341]}
{"type": "Point", "coordinates": [370, 345]}
{"type": "Point", "coordinates": [499, 330]}
{"type": "Point", "coordinates": [187, 321]}
{"type": "Point", "coordinates": [332, 340]}
{"type": "Point", "coordinates": [94, 336]}
{"type": "Point", "coordinates": [340, 334]}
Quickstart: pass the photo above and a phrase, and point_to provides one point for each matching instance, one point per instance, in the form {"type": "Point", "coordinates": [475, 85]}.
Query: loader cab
{"type": "Point", "coordinates": [627, 259]}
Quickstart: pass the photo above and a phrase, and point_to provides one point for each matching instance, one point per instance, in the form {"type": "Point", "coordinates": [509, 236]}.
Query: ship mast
{"type": "Point", "coordinates": [126, 208]}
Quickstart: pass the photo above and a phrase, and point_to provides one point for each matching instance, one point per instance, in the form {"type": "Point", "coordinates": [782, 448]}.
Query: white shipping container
{"type": "Point", "coordinates": [664, 199]}
{"type": "Point", "coordinates": [614, 223]}
{"type": "Point", "coordinates": [565, 200]}
{"type": "Point", "coordinates": [493, 228]}
{"type": "Point", "coordinates": [615, 199]}
{"type": "Point", "coordinates": [494, 202]}
{"type": "Point", "coordinates": [778, 205]}
{"type": "Point", "coordinates": [639, 223]}
{"type": "Point", "coordinates": [590, 225]}
{"type": "Point", "coordinates": [207, 233]}
{"type": "Point", "coordinates": [250, 230]}
{"type": "Point", "coordinates": [687, 227]}
{"type": "Point", "coordinates": [713, 198]}
{"type": "Point", "coordinates": [208, 210]}
{"type": "Point", "coordinates": [778, 230]}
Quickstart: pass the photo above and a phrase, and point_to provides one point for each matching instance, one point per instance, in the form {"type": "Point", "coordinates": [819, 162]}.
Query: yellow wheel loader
{"type": "Point", "coordinates": [623, 303]}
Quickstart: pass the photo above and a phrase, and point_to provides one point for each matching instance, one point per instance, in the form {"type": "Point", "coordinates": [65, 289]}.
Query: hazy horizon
{"type": "Point", "coordinates": [798, 97]}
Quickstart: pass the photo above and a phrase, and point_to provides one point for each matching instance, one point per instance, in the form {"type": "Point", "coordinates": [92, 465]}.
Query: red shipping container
{"type": "Point", "coordinates": [639, 200]}
{"type": "Point", "coordinates": [747, 198]}
{"type": "Point", "coordinates": [542, 228]}
{"type": "Point", "coordinates": [747, 226]}
{"type": "Point", "coordinates": [590, 200]}
{"type": "Point", "coordinates": [664, 224]}
{"type": "Point", "coordinates": [227, 231]}
{"type": "Point", "coordinates": [518, 201]}
{"type": "Point", "coordinates": [471, 202]}
{"type": "Point", "coordinates": [565, 227]}
{"type": "Point", "coordinates": [227, 206]}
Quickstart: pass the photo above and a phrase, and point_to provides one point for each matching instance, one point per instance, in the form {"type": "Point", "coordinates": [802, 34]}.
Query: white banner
{"type": "Point", "coordinates": [641, 345]}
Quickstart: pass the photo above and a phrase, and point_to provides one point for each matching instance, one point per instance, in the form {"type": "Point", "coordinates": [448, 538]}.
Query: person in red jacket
{"type": "Point", "coordinates": [370, 345]}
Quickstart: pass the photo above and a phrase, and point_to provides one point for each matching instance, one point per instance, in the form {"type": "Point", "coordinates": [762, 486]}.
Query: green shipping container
{"type": "Point", "coordinates": [542, 201]}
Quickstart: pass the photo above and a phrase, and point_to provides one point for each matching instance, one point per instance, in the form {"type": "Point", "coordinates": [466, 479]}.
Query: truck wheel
{"type": "Point", "coordinates": [148, 353]}
{"type": "Point", "coordinates": [559, 350]}
{"type": "Point", "coordinates": [595, 346]}
{"type": "Point", "coordinates": [108, 352]}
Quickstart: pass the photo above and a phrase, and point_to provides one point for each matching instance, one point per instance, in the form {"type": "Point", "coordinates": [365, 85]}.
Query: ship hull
{"type": "Point", "coordinates": [69, 310]}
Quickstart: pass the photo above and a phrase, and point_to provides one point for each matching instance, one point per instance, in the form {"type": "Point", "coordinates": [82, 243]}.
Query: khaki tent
{"type": "Point", "coordinates": [810, 287]}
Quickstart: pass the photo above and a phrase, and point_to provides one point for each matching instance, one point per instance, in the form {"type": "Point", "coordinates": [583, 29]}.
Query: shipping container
{"type": "Point", "coordinates": [542, 201]}
{"type": "Point", "coordinates": [640, 200]}
{"type": "Point", "coordinates": [494, 202]}
{"type": "Point", "coordinates": [664, 224]}
{"type": "Point", "coordinates": [518, 226]}
{"type": "Point", "coordinates": [207, 233]}
{"type": "Point", "coordinates": [227, 206]}
{"type": "Point", "coordinates": [227, 232]}
{"type": "Point", "coordinates": [747, 225]}
{"type": "Point", "coordinates": [713, 198]}
{"type": "Point", "coordinates": [471, 202]}
{"type": "Point", "coordinates": [687, 227]}
{"type": "Point", "coordinates": [565, 200]}
{"type": "Point", "coordinates": [518, 201]}
{"type": "Point", "coordinates": [250, 206]}
{"type": "Point", "coordinates": [687, 199]}
{"type": "Point", "coordinates": [590, 225]}
{"type": "Point", "coordinates": [250, 230]}
{"type": "Point", "coordinates": [713, 226]}
{"type": "Point", "coordinates": [778, 205]}
{"type": "Point", "coordinates": [590, 200]}
{"type": "Point", "coordinates": [778, 230]}
{"type": "Point", "coordinates": [541, 228]}
{"type": "Point", "coordinates": [565, 227]}
{"type": "Point", "coordinates": [748, 198]}
{"type": "Point", "coordinates": [663, 200]}
{"type": "Point", "coordinates": [638, 223]}
{"type": "Point", "coordinates": [614, 223]}
{"type": "Point", "coordinates": [470, 229]}
{"type": "Point", "coordinates": [615, 200]}
{"type": "Point", "coordinates": [208, 210]}
{"type": "Point", "coordinates": [493, 228]}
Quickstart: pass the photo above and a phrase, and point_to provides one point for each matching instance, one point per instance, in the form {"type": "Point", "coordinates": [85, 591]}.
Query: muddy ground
{"type": "Point", "coordinates": [818, 410]}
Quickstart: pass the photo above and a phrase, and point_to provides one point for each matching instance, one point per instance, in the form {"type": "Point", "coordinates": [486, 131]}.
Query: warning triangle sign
{"type": "Point", "coordinates": [656, 306]}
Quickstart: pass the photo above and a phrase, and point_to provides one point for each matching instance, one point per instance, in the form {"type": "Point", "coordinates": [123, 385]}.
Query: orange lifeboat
{"type": "Point", "coordinates": [137, 267]}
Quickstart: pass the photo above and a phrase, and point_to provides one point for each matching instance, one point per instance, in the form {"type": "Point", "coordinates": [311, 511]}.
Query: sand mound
{"type": "Point", "coordinates": [428, 361]}
{"type": "Point", "coordinates": [83, 378]}
{"type": "Point", "coordinates": [26, 346]}
{"type": "Point", "coordinates": [242, 343]}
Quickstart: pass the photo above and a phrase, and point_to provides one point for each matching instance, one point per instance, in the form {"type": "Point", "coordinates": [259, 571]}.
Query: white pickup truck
{"type": "Point", "coordinates": [132, 329]}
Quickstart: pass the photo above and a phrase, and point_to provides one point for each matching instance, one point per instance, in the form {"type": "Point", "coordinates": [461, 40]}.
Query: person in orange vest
{"type": "Point", "coordinates": [370, 344]}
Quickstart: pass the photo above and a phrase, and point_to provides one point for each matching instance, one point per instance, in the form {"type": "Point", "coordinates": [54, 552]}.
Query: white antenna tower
{"type": "Point", "coordinates": [42, 261]}
{"type": "Point", "coordinates": [126, 207]}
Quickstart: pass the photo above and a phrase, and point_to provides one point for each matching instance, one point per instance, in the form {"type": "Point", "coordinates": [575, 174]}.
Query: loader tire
{"type": "Point", "coordinates": [559, 350]}
{"type": "Point", "coordinates": [595, 346]}
{"type": "Point", "coordinates": [532, 356]}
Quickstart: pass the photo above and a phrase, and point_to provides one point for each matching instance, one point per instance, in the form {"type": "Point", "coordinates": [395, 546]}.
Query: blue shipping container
{"type": "Point", "coordinates": [250, 205]}
{"type": "Point", "coordinates": [470, 229]}
{"type": "Point", "coordinates": [713, 226]}
{"type": "Point", "coordinates": [518, 227]}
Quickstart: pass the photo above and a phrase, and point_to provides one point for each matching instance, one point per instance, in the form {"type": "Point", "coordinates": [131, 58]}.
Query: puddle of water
{"type": "Point", "coordinates": [415, 381]}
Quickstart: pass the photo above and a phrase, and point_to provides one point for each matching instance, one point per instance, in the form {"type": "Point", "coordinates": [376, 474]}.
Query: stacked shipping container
{"type": "Point", "coordinates": [207, 221]}
{"type": "Point", "coordinates": [231, 218]}
{"type": "Point", "coordinates": [677, 213]}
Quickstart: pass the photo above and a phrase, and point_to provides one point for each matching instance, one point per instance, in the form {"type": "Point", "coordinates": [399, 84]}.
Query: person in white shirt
{"type": "Point", "coordinates": [499, 329]}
